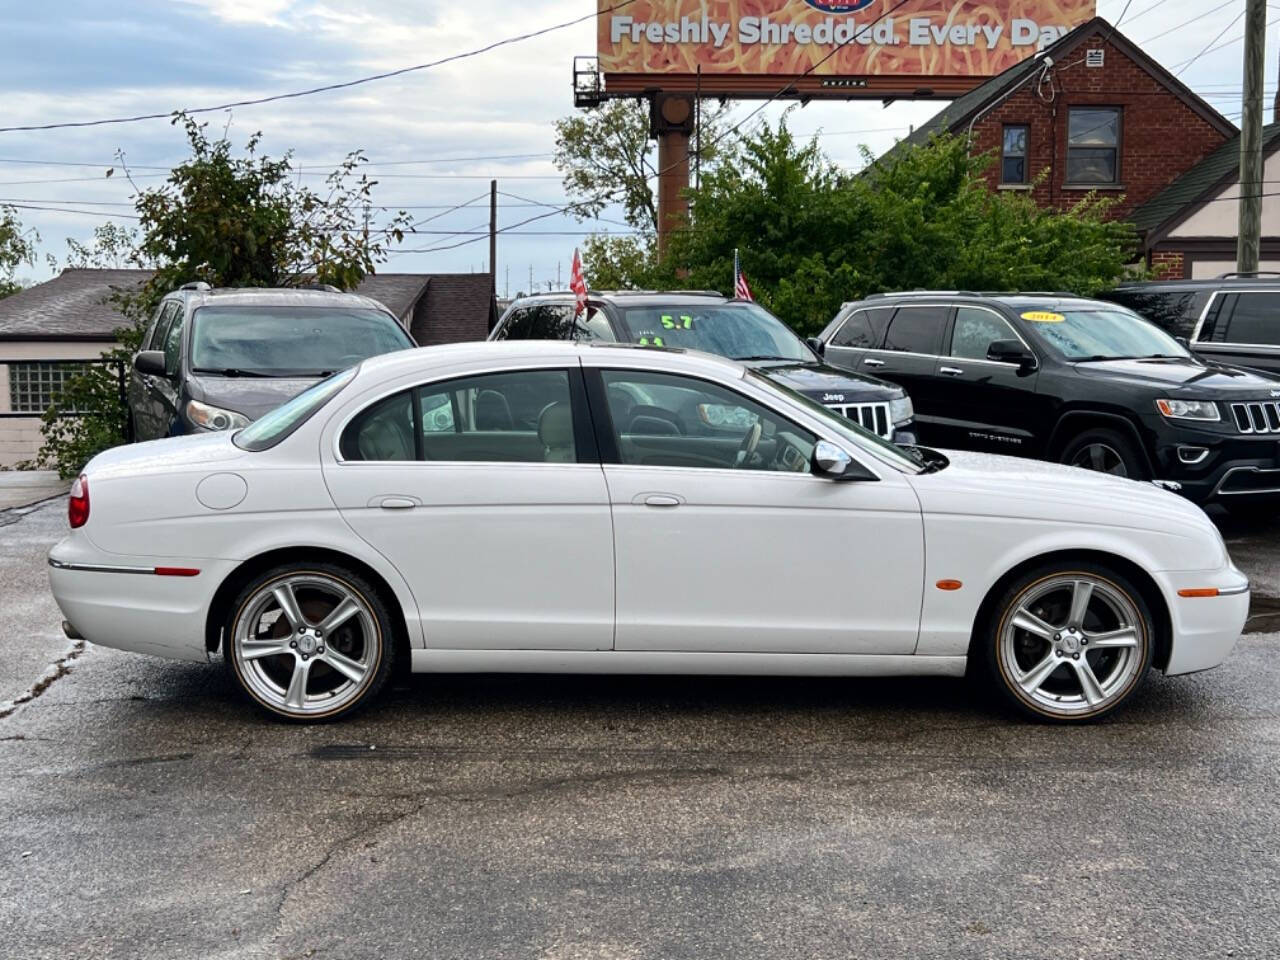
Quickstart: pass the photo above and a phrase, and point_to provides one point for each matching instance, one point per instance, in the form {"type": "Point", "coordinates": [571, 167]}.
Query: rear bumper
{"type": "Point", "coordinates": [1205, 629]}
{"type": "Point", "coordinates": [122, 602]}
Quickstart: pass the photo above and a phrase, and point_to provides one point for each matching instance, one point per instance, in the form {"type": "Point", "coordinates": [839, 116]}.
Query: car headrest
{"type": "Point", "coordinates": [492, 411]}
{"type": "Point", "coordinates": [555, 430]}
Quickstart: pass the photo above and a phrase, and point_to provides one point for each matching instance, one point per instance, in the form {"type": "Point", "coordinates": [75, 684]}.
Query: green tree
{"type": "Point", "coordinates": [229, 220]}
{"type": "Point", "coordinates": [17, 246]}
{"type": "Point", "coordinates": [606, 156]}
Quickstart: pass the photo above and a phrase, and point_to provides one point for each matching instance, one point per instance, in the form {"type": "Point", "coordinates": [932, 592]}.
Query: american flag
{"type": "Point", "coordinates": [578, 284]}
{"type": "Point", "coordinates": [740, 289]}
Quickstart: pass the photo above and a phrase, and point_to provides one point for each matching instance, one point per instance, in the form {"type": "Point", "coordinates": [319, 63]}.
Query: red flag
{"type": "Point", "coordinates": [578, 284]}
{"type": "Point", "coordinates": [740, 288]}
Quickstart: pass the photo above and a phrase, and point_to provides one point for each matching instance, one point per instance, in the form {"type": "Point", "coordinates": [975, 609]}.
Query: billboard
{"type": "Point", "coordinates": [728, 39]}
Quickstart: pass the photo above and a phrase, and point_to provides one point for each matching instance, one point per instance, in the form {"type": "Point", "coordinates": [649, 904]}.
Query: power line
{"type": "Point", "coordinates": [298, 164]}
{"type": "Point", "coordinates": [330, 86]}
{"type": "Point", "coordinates": [1165, 33]}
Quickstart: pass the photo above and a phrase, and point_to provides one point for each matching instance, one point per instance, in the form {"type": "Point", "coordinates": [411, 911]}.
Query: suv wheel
{"type": "Point", "coordinates": [1107, 452]}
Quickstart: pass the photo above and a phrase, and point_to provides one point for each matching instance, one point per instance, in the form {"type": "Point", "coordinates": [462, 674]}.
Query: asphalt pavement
{"type": "Point", "coordinates": [148, 812]}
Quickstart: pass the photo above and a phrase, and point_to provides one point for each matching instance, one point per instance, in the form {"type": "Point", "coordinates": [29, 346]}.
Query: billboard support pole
{"type": "Point", "coordinates": [697, 131]}
{"type": "Point", "coordinates": [671, 121]}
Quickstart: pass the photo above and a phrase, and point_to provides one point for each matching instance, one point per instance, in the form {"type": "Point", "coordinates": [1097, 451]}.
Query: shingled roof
{"type": "Point", "coordinates": [1208, 177]}
{"type": "Point", "coordinates": [75, 305]}
{"type": "Point", "coordinates": [964, 109]}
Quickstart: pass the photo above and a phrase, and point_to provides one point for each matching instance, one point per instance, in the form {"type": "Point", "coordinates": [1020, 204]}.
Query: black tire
{"type": "Point", "coordinates": [1060, 697]}
{"type": "Point", "coordinates": [1101, 449]}
{"type": "Point", "coordinates": [367, 646]}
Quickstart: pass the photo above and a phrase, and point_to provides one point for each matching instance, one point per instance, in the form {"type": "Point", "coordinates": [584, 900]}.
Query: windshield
{"type": "Point", "coordinates": [1102, 334]}
{"type": "Point", "coordinates": [854, 433]}
{"type": "Point", "coordinates": [287, 341]}
{"type": "Point", "coordinates": [269, 430]}
{"type": "Point", "coordinates": [740, 331]}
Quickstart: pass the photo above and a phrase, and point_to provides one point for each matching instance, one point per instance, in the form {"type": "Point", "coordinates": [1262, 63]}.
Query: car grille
{"type": "Point", "coordinates": [1260, 417]}
{"type": "Point", "coordinates": [872, 416]}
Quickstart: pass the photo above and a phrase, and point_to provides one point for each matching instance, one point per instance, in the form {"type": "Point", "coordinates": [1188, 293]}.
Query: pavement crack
{"type": "Point", "coordinates": [58, 669]}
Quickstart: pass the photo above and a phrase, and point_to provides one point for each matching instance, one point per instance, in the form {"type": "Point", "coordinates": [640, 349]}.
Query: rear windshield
{"type": "Point", "coordinates": [269, 430]}
{"type": "Point", "coordinates": [289, 341]}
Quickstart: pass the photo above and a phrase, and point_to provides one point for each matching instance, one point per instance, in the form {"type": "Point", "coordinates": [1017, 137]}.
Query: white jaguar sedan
{"type": "Point", "coordinates": [554, 508]}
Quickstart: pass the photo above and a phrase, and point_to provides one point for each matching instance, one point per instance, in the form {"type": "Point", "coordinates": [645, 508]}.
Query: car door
{"type": "Point", "coordinates": [1242, 329]}
{"type": "Point", "coordinates": [501, 527]}
{"type": "Point", "coordinates": [988, 405]}
{"type": "Point", "coordinates": [145, 404]}
{"type": "Point", "coordinates": [908, 356]}
{"type": "Point", "coordinates": [727, 550]}
{"type": "Point", "coordinates": [861, 330]}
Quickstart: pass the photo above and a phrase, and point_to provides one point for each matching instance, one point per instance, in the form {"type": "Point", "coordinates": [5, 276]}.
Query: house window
{"type": "Point", "coordinates": [1093, 145]}
{"type": "Point", "coordinates": [1013, 155]}
{"type": "Point", "coordinates": [34, 386]}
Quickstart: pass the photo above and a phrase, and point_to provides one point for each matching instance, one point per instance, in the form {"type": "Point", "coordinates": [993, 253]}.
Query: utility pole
{"type": "Point", "coordinates": [1255, 41]}
{"type": "Point", "coordinates": [493, 235]}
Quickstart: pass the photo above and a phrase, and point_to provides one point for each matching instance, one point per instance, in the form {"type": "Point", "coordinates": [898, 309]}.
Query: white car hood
{"type": "Point", "coordinates": [1014, 487]}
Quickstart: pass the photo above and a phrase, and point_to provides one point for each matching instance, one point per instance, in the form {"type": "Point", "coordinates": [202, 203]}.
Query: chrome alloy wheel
{"type": "Point", "coordinates": [306, 644]}
{"type": "Point", "coordinates": [1072, 644]}
{"type": "Point", "coordinates": [1100, 457]}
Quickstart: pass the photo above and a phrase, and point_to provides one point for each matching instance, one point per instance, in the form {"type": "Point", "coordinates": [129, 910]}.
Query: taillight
{"type": "Point", "coordinates": [78, 505]}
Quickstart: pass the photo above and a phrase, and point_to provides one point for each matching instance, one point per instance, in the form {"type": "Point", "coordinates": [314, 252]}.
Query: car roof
{"type": "Point", "coordinates": [277, 296]}
{"type": "Point", "coordinates": [1204, 283]}
{"type": "Point", "coordinates": [638, 298]}
{"type": "Point", "coordinates": [390, 365]}
{"type": "Point", "coordinates": [1015, 300]}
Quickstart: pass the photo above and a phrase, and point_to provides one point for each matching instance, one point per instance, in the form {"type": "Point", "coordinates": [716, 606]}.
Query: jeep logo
{"type": "Point", "coordinates": [839, 397]}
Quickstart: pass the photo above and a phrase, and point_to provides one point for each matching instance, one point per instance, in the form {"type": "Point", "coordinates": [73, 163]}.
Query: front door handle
{"type": "Point", "coordinates": [396, 503]}
{"type": "Point", "coordinates": [873, 362]}
{"type": "Point", "coordinates": [661, 500]}
{"type": "Point", "coordinates": [951, 371]}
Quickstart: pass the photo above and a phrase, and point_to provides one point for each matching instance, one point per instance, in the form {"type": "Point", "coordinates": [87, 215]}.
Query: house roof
{"type": "Point", "coordinates": [1181, 198]}
{"type": "Point", "coordinates": [964, 109]}
{"type": "Point", "coordinates": [75, 304]}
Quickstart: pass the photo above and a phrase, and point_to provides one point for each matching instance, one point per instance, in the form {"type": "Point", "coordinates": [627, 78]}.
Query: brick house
{"type": "Point", "coordinates": [1093, 113]}
{"type": "Point", "coordinates": [50, 331]}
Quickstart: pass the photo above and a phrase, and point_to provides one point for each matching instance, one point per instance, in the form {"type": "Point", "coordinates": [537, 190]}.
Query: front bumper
{"type": "Point", "coordinates": [1205, 628]}
{"type": "Point", "coordinates": [1214, 465]}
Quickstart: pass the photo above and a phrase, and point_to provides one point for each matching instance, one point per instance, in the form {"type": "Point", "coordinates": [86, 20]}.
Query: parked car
{"type": "Point", "coordinates": [218, 359]}
{"type": "Point", "coordinates": [1233, 319]}
{"type": "Point", "coordinates": [708, 321]}
{"type": "Point", "coordinates": [571, 545]}
{"type": "Point", "coordinates": [1077, 381]}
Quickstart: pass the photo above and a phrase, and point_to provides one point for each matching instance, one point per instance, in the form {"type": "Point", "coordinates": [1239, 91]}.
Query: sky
{"type": "Point", "coordinates": [434, 137]}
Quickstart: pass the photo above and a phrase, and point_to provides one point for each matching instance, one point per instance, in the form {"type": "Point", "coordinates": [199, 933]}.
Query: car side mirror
{"type": "Point", "coordinates": [1012, 351]}
{"type": "Point", "coordinates": [1184, 341]}
{"type": "Point", "coordinates": [831, 462]}
{"type": "Point", "coordinates": [150, 362]}
{"type": "Point", "coordinates": [817, 346]}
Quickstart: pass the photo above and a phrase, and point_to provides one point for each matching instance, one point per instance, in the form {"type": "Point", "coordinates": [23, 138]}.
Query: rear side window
{"type": "Point", "coordinates": [1173, 311]}
{"type": "Point", "coordinates": [917, 330]}
{"type": "Point", "coordinates": [1254, 318]}
{"type": "Point", "coordinates": [864, 328]}
{"type": "Point", "coordinates": [547, 321]}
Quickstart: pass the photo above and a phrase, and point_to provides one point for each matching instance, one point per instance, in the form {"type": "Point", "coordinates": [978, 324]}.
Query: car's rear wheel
{"type": "Point", "coordinates": [1105, 451]}
{"type": "Point", "coordinates": [1068, 642]}
{"type": "Point", "coordinates": [309, 641]}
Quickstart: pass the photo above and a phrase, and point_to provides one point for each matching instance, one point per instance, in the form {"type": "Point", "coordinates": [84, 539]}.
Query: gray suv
{"type": "Point", "coordinates": [218, 359]}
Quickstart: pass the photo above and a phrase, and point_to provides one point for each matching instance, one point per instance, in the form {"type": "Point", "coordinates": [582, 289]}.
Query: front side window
{"type": "Point", "coordinates": [917, 330]}
{"type": "Point", "coordinates": [1013, 154]}
{"type": "Point", "coordinates": [593, 326]}
{"type": "Point", "coordinates": [739, 331]}
{"type": "Point", "coordinates": [545, 321]}
{"type": "Point", "coordinates": [288, 341]}
{"type": "Point", "coordinates": [524, 416]}
{"type": "Point", "coordinates": [1254, 319]}
{"type": "Point", "coordinates": [269, 430]}
{"type": "Point", "coordinates": [173, 342]}
{"type": "Point", "coordinates": [974, 332]}
{"type": "Point", "coordinates": [1102, 334]}
{"type": "Point", "coordinates": [1093, 145]}
{"type": "Point", "coordinates": [661, 420]}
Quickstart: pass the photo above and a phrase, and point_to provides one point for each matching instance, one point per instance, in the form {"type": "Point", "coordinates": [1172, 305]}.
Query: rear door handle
{"type": "Point", "coordinates": [397, 503]}
{"type": "Point", "coordinates": [660, 499]}
{"type": "Point", "coordinates": [951, 371]}
{"type": "Point", "coordinates": [873, 362]}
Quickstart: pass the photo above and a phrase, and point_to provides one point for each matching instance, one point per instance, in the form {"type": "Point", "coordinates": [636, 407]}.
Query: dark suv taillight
{"type": "Point", "coordinates": [78, 505]}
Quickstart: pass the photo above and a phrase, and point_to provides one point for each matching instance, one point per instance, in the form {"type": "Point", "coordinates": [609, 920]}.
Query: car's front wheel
{"type": "Point", "coordinates": [1068, 642]}
{"type": "Point", "coordinates": [309, 641]}
{"type": "Point", "coordinates": [1105, 451]}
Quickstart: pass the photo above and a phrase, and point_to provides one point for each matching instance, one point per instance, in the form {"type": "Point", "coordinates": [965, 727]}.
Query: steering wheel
{"type": "Point", "coordinates": [748, 448]}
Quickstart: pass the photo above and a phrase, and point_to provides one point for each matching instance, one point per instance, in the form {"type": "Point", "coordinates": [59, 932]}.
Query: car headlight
{"type": "Point", "coordinates": [208, 417]}
{"type": "Point", "coordinates": [900, 410]}
{"type": "Point", "coordinates": [1188, 409]}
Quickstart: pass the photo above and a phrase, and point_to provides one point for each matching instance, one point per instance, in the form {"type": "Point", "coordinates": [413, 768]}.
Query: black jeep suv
{"type": "Point", "coordinates": [707, 321]}
{"type": "Point", "coordinates": [1078, 381]}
